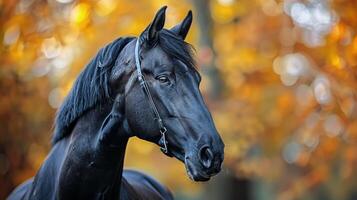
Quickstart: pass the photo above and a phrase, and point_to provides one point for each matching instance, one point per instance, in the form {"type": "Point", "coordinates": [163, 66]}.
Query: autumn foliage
{"type": "Point", "coordinates": [286, 104]}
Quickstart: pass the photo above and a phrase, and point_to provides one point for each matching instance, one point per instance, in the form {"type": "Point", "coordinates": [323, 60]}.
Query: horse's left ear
{"type": "Point", "coordinates": [156, 25]}
{"type": "Point", "coordinates": [182, 29]}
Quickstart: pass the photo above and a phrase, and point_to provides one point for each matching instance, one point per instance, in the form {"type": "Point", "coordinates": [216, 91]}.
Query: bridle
{"type": "Point", "coordinates": [162, 142]}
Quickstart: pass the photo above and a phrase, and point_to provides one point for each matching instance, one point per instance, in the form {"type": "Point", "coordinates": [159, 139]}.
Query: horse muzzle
{"type": "Point", "coordinates": [203, 164]}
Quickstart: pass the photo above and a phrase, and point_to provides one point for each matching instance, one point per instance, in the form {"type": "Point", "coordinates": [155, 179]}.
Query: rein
{"type": "Point", "coordinates": [162, 142]}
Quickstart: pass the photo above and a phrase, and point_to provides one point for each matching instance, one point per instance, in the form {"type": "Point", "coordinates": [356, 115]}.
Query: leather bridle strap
{"type": "Point", "coordinates": [163, 143]}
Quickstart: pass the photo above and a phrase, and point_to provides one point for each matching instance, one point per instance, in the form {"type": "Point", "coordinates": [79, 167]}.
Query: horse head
{"type": "Point", "coordinates": [168, 66]}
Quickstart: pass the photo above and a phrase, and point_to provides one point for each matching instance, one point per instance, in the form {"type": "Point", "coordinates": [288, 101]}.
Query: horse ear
{"type": "Point", "coordinates": [182, 29]}
{"type": "Point", "coordinates": [156, 25]}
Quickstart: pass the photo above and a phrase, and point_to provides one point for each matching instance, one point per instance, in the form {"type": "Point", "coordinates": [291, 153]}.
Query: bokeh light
{"type": "Point", "coordinates": [279, 77]}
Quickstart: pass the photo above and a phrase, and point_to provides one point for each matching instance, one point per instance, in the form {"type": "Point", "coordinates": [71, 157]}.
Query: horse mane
{"type": "Point", "coordinates": [90, 89]}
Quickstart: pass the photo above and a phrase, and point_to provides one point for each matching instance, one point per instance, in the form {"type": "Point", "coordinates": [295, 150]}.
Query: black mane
{"type": "Point", "coordinates": [92, 85]}
{"type": "Point", "coordinates": [90, 89]}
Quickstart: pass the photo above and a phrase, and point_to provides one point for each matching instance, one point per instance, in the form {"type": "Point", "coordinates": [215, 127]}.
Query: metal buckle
{"type": "Point", "coordinates": [141, 79]}
{"type": "Point", "coordinates": [163, 142]}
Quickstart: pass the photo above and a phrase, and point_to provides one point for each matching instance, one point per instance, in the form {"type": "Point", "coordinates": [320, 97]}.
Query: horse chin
{"type": "Point", "coordinates": [195, 174]}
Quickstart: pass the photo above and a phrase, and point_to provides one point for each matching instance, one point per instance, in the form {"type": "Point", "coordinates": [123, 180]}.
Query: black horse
{"type": "Point", "coordinates": [107, 106]}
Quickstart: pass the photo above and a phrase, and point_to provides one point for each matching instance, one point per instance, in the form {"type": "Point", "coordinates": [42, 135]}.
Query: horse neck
{"type": "Point", "coordinates": [106, 167]}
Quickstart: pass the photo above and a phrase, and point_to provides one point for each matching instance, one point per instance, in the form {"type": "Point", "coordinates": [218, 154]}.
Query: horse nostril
{"type": "Point", "coordinates": [206, 156]}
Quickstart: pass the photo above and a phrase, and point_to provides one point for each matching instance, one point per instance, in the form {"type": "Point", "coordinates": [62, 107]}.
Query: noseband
{"type": "Point", "coordinates": [162, 142]}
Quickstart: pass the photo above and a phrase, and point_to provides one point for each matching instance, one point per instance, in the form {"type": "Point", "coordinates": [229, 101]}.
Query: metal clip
{"type": "Point", "coordinates": [141, 79]}
{"type": "Point", "coordinates": [163, 142]}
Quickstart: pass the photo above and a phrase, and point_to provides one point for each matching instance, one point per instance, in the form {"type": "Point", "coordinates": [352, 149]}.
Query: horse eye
{"type": "Point", "coordinates": [163, 79]}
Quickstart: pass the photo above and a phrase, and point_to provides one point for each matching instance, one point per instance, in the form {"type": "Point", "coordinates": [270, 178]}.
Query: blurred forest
{"type": "Point", "coordinates": [280, 77]}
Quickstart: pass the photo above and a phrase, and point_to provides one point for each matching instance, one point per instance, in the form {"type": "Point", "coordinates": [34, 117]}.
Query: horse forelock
{"type": "Point", "coordinates": [90, 89]}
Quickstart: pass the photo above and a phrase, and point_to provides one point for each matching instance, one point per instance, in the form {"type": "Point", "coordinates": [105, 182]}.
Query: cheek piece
{"type": "Point", "coordinates": [163, 130]}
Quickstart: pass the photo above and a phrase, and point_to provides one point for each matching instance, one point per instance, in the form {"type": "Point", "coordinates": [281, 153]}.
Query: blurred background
{"type": "Point", "coordinates": [279, 76]}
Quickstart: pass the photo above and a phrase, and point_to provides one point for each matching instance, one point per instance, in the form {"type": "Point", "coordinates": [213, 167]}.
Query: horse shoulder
{"type": "Point", "coordinates": [43, 185]}
{"type": "Point", "coordinates": [138, 185]}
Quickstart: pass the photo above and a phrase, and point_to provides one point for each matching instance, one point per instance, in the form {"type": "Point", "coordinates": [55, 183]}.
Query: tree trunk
{"type": "Point", "coordinates": [205, 23]}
